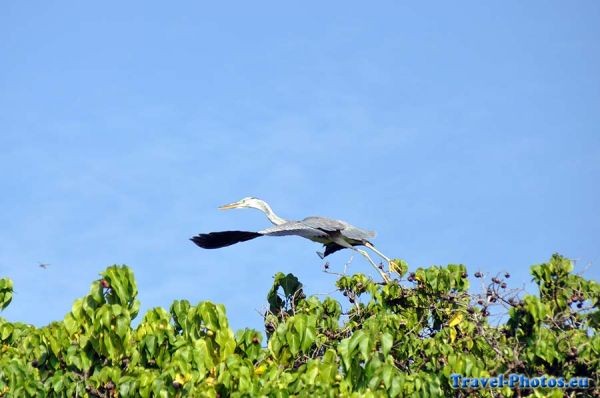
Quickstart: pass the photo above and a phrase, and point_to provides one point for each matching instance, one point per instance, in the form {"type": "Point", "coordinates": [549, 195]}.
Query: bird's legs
{"type": "Point", "coordinates": [370, 246]}
{"type": "Point", "coordinates": [366, 255]}
{"type": "Point", "coordinates": [343, 243]}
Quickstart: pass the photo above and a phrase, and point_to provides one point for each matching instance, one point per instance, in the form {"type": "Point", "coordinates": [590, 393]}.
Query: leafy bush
{"type": "Point", "coordinates": [404, 338]}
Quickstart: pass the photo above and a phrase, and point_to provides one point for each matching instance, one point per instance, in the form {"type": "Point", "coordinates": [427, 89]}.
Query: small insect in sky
{"type": "Point", "coordinates": [44, 265]}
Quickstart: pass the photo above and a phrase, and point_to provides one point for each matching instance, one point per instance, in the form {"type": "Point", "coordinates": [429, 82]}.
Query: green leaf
{"type": "Point", "coordinates": [6, 292]}
{"type": "Point", "coordinates": [387, 340]}
{"type": "Point", "coordinates": [345, 352]}
{"type": "Point", "coordinates": [293, 339]}
{"type": "Point", "coordinates": [363, 345]}
{"type": "Point", "coordinates": [399, 266]}
{"type": "Point", "coordinates": [308, 339]}
{"type": "Point", "coordinates": [150, 342]}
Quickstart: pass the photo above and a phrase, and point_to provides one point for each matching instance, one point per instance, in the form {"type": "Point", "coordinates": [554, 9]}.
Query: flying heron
{"type": "Point", "coordinates": [333, 234]}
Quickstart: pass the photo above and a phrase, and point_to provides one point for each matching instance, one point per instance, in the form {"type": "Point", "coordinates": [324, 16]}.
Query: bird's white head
{"type": "Point", "coordinates": [255, 203]}
{"type": "Point", "coordinates": [246, 202]}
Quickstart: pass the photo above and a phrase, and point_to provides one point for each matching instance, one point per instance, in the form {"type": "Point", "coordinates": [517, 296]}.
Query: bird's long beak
{"type": "Point", "coordinates": [230, 206]}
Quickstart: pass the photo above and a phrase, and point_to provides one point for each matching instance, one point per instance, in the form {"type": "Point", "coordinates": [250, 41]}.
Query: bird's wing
{"type": "Point", "coordinates": [358, 234]}
{"type": "Point", "coordinates": [294, 228]}
{"type": "Point", "coordinates": [215, 240]}
{"type": "Point", "coordinates": [347, 230]}
{"type": "Point", "coordinates": [324, 224]}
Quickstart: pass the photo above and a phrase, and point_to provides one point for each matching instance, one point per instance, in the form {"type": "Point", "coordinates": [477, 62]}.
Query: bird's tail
{"type": "Point", "coordinates": [215, 240]}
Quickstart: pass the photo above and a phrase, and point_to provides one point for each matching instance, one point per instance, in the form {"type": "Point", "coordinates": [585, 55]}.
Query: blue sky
{"type": "Point", "coordinates": [461, 132]}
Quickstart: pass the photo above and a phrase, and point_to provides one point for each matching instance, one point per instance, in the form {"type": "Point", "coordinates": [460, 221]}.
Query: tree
{"type": "Point", "coordinates": [406, 338]}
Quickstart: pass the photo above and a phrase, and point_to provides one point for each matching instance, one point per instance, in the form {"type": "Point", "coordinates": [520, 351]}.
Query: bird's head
{"type": "Point", "coordinates": [246, 202]}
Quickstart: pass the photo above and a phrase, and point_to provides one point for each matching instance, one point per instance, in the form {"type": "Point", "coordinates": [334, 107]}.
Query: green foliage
{"type": "Point", "coordinates": [6, 292]}
{"type": "Point", "coordinates": [402, 339]}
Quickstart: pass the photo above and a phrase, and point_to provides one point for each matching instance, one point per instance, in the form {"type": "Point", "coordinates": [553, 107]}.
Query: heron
{"type": "Point", "coordinates": [333, 234]}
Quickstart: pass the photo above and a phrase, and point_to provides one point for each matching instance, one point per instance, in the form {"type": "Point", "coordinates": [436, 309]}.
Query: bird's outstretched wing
{"type": "Point", "coordinates": [297, 228]}
{"type": "Point", "coordinates": [215, 240]}
{"type": "Point", "coordinates": [331, 225]}
{"type": "Point", "coordinates": [324, 224]}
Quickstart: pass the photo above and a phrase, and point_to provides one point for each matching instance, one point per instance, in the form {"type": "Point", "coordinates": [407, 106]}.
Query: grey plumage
{"type": "Point", "coordinates": [333, 234]}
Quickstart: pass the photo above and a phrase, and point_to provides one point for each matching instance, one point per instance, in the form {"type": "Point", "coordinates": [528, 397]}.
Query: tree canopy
{"type": "Point", "coordinates": [402, 339]}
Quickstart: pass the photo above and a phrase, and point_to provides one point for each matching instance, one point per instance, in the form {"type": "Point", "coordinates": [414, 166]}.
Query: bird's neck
{"type": "Point", "coordinates": [274, 218]}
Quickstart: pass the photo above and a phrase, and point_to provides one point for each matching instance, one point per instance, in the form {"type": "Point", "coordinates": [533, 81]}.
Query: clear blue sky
{"type": "Point", "coordinates": [463, 132]}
